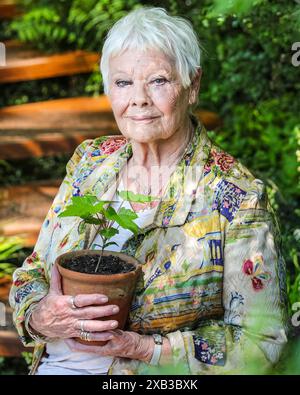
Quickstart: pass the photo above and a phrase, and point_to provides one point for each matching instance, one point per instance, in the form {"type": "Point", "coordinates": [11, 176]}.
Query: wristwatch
{"type": "Point", "coordinates": [158, 340]}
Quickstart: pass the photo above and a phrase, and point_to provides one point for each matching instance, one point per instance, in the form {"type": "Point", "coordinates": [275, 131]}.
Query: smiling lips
{"type": "Point", "coordinates": [143, 118]}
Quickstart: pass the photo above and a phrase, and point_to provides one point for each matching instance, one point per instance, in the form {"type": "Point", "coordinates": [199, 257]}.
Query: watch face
{"type": "Point", "coordinates": [158, 339]}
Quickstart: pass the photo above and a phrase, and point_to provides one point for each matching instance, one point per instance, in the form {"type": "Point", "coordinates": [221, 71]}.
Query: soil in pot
{"type": "Point", "coordinates": [88, 263]}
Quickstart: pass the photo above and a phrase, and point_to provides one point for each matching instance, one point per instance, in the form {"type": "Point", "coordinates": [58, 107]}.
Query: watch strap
{"type": "Point", "coordinates": [158, 340]}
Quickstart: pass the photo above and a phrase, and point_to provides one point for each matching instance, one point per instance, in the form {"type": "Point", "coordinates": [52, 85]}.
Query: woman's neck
{"type": "Point", "coordinates": [152, 179]}
{"type": "Point", "coordinates": [161, 153]}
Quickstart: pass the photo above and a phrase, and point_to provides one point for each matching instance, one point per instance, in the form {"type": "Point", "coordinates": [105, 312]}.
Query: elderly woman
{"type": "Point", "coordinates": [212, 298]}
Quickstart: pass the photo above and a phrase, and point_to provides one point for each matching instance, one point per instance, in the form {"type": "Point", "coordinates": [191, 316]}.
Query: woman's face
{"type": "Point", "coordinates": [147, 98]}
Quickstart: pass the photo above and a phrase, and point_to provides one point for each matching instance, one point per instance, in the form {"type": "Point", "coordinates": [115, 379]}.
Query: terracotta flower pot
{"type": "Point", "coordinates": [119, 288]}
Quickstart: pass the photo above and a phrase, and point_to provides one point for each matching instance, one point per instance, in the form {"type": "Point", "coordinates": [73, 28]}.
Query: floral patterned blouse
{"type": "Point", "coordinates": [213, 276]}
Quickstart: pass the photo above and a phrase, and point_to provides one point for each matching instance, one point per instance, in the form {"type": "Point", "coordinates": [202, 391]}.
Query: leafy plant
{"type": "Point", "coordinates": [93, 211]}
{"type": "Point", "coordinates": [8, 248]}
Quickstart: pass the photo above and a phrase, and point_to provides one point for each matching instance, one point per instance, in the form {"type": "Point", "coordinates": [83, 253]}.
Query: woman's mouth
{"type": "Point", "coordinates": [143, 119]}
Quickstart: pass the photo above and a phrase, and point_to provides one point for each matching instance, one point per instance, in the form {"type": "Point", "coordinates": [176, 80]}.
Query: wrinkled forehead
{"type": "Point", "coordinates": [134, 61]}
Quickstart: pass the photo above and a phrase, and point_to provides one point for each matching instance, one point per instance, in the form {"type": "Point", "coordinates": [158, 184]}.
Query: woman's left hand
{"type": "Point", "coordinates": [122, 344]}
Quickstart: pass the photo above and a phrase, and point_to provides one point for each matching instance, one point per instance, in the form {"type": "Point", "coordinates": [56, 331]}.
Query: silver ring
{"type": "Point", "coordinates": [82, 325]}
{"type": "Point", "coordinates": [84, 335]}
{"type": "Point", "coordinates": [72, 302]}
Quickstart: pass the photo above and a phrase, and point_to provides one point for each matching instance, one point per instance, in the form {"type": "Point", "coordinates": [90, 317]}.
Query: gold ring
{"type": "Point", "coordinates": [84, 335]}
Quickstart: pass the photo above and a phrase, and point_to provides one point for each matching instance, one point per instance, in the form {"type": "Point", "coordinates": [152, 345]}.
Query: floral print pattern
{"type": "Point", "coordinates": [111, 145]}
{"type": "Point", "coordinates": [255, 270]}
{"type": "Point", "coordinates": [197, 259]}
{"type": "Point", "coordinates": [228, 199]}
{"type": "Point", "coordinates": [210, 354]}
{"type": "Point", "coordinates": [219, 162]}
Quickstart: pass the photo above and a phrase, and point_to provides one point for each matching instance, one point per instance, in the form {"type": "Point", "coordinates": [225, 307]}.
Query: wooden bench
{"type": "Point", "coordinates": [53, 127]}
{"type": "Point", "coordinates": [10, 344]}
{"type": "Point", "coordinates": [58, 126]}
{"type": "Point", "coordinates": [23, 209]}
{"type": "Point", "coordinates": [24, 63]}
{"type": "Point", "coordinates": [9, 9]}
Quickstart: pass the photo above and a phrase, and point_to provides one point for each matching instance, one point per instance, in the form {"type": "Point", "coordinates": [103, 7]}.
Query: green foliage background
{"type": "Point", "coordinates": [248, 79]}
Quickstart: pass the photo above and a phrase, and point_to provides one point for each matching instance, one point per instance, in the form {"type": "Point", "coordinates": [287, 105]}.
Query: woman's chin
{"type": "Point", "coordinates": [143, 137]}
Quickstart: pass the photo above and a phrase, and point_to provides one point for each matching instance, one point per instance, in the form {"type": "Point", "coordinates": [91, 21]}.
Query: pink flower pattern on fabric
{"type": "Point", "coordinates": [223, 160]}
{"type": "Point", "coordinates": [255, 269]}
{"type": "Point", "coordinates": [111, 145]}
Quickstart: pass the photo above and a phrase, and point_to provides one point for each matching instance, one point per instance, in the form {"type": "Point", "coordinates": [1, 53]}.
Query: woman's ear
{"type": "Point", "coordinates": [195, 87]}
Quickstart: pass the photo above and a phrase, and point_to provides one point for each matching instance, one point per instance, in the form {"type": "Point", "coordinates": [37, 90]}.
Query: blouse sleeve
{"type": "Point", "coordinates": [254, 329]}
{"type": "Point", "coordinates": [31, 281]}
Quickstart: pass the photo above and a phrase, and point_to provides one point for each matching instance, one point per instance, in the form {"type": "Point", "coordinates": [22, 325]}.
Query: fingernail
{"type": "Point", "coordinates": [104, 300]}
{"type": "Point", "coordinates": [115, 309]}
{"type": "Point", "coordinates": [114, 324]}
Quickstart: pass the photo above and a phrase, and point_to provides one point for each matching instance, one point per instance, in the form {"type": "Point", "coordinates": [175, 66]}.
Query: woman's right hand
{"type": "Point", "coordinates": [55, 317]}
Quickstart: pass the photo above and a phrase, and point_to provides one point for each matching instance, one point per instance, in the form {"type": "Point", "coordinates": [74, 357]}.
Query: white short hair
{"type": "Point", "coordinates": [152, 28]}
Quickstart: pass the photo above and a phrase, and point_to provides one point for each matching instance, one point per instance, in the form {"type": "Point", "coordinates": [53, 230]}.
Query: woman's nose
{"type": "Point", "coordinates": [140, 96]}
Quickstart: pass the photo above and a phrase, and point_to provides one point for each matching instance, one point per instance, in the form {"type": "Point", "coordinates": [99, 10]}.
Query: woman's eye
{"type": "Point", "coordinates": [160, 81]}
{"type": "Point", "coordinates": [122, 83]}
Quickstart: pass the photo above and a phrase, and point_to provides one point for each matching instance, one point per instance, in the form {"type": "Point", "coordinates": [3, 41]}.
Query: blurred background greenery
{"type": "Point", "coordinates": [248, 79]}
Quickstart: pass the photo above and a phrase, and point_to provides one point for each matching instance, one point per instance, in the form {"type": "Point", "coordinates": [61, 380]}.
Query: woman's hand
{"type": "Point", "coordinates": [54, 316]}
{"type": "Point", "coordinates": [121, 344]}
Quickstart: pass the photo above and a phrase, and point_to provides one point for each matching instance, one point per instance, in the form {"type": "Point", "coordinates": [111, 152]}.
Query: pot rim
{"type": "Point", "coordinates": [103, 277]}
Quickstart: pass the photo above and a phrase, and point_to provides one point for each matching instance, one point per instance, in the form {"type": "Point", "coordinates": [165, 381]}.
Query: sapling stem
{"type": "Point", "coordinates": [99, 260]}
{"type": "Point", "coordinates": [101, 253]}
{"type": "Point", "coordinates": [104, 240]}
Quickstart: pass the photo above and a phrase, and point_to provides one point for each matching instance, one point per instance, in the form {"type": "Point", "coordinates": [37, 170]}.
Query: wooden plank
{"type": "Point", "coordinates": [210, 120]}
{"type": "Point", "coordinates": [10, 344]}
{"type": "Point", "coordinates": [79, 113]}
{"type": "Point", "coordinates": [5, 283]}
{"type": "Point", "coordinates": [21, 146]}
{"type": "Point", "coordinates": [23, 209]}
{"type": "Point", "coordinates": [9, 10]}
{"type": "Point", "coordinates": [24, 63]}
{"type": "Point", "coordinates": [58, 126]}
{"type": "Point", "coordinates": [53, 127]}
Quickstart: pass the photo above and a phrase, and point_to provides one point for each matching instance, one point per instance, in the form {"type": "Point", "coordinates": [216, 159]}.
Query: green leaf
{"type": "Point", "coordinates": [98, 245]}
{"type": "Point", "coordinates": [7, 269]}
{"type": "Point", "coordinates": [110, 213]}
{"type": "Point", "coordinates": [80, 207]}
{"type": "Point", "coordinates": [136, 197]}
{"type": "Point", "coordinates": [125, 219]}
{"type": "Point", "coordinates": [92, 220]}
{"type": "Point", "coordinates": [127, 213]}
{"type": "Point", "coordinates": [83, 207]}
{"type": "Point", "coordinates": [108, 233]}
{"type": "Point", "coordinates": [99, 206]}
{"type": "Point", "coordinates": [110, 243]}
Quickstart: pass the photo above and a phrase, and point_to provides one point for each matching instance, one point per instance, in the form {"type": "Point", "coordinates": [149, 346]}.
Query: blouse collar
{"type": "Point", "coordinates": [175, 205]}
